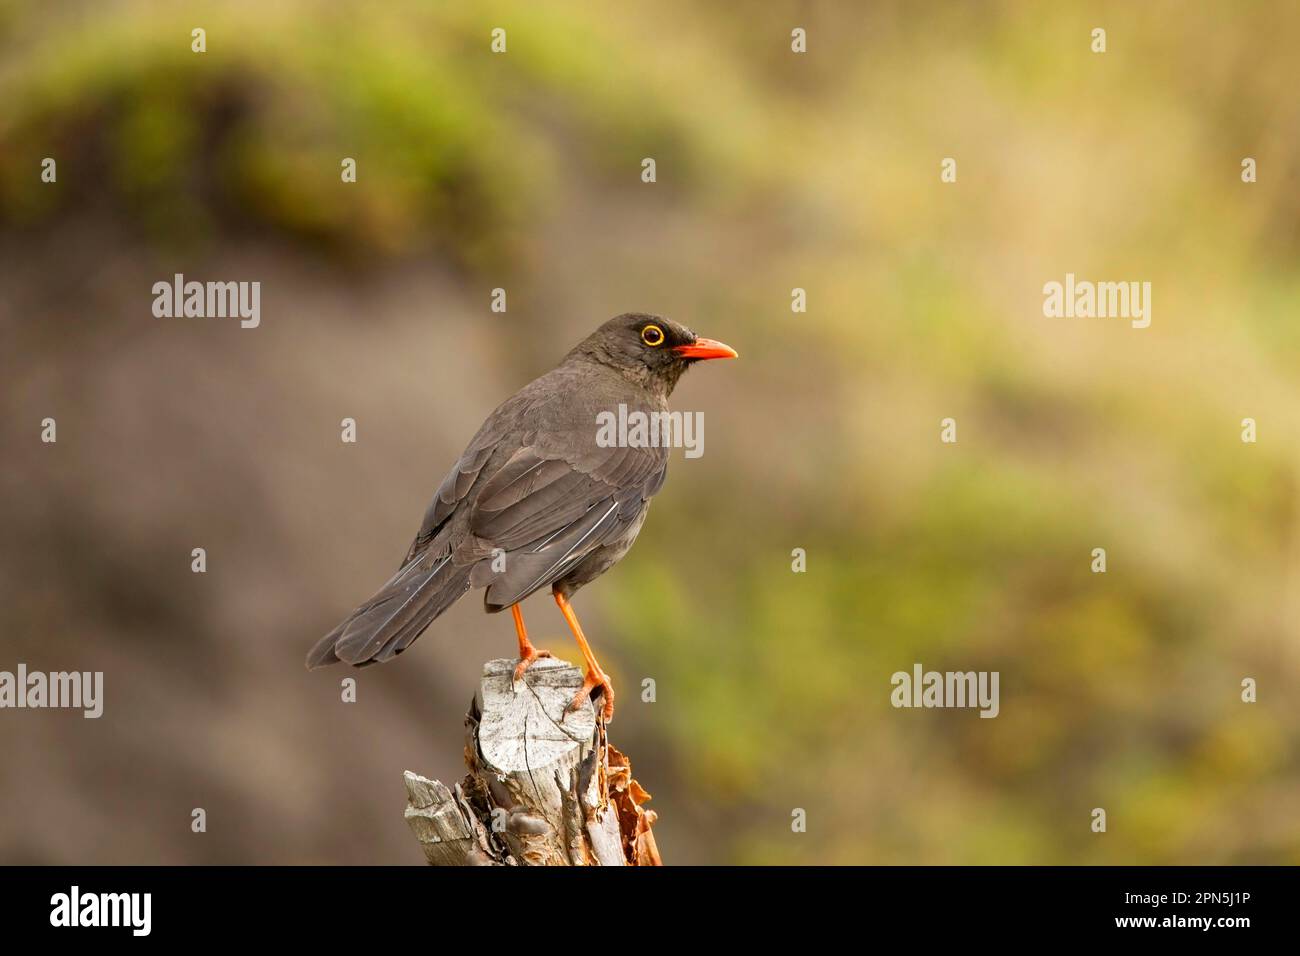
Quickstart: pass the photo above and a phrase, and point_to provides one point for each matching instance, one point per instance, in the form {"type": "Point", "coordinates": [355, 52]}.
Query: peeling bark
{"type": "Point", "coordinates": [544, 788]}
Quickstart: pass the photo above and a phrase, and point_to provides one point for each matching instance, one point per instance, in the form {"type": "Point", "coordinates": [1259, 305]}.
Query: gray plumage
{"type": "Point", "coordinates": [535, 484]}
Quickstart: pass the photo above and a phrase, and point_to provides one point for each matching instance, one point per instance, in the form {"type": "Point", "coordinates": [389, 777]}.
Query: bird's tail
{"type": "Point", "coordinates": [396, 615]}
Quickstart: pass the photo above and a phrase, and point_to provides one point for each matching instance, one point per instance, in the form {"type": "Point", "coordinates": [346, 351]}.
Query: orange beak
{"type": "Point", "coordinates": [705, 349]}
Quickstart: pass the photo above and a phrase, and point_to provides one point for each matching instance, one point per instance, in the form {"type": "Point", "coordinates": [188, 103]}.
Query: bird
{"type": "Point", "coordinates": [538, 499]}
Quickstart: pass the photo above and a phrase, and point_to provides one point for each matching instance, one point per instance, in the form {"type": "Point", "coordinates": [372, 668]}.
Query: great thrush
{"type": "Point", "coordinates": [536, 500]}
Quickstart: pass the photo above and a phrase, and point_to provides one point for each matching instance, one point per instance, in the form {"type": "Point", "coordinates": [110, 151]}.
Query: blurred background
{"type": "Point", "coordinates": [775, 170]}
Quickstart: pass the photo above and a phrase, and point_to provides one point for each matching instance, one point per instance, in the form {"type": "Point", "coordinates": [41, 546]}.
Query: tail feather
{"type": "Point", "coordinates": [392, 619]}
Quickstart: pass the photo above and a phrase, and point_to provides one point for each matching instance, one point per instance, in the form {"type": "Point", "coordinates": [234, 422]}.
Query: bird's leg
{"type": "Point", "coordinates": [595, 676]}
{"type": "Point", "coordinates": [527, 653]}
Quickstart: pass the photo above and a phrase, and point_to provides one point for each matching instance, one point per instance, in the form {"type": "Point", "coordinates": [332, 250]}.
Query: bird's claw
{"type": "Point", "coordinates": [594, 679]}
{"type": "Point", "coordinates": [526, 662]}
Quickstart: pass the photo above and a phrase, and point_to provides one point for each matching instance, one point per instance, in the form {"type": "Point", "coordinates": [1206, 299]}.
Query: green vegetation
{"type": "Point", "coordinates": [1119, 690]}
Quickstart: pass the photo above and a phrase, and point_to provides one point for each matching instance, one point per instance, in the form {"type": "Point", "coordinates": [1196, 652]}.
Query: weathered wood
{"type": "Point", "coordinates": [544, 786]}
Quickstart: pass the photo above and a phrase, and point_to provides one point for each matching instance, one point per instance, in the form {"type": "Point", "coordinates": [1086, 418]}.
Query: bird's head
{"type": "Point", "coordinates": [650, 348]}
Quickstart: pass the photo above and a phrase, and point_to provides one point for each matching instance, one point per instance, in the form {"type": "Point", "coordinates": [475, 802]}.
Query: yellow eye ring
{"type": "Point", "coordinates": [652, 335]}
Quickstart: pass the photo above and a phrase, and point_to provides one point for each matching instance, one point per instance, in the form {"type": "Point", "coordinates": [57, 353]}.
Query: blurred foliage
{"type": "Point", "coordinates": [1118, 690]}
{"type": "Point", "coordinates": [452, 144]}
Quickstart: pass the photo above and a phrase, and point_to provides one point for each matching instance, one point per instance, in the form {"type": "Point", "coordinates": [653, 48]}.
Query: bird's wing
{"type": "Point", "coordinates": [450, 493]}
{"type": "Point", "coordinates": [465, 473]}
{"type": "Point", "coordinates": [554, 501]}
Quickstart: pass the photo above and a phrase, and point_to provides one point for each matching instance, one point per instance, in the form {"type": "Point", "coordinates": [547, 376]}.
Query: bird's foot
{"type": "Point", "coordinates": [595, 679]}
{"type": "Point", "coordinates": [526, 661]}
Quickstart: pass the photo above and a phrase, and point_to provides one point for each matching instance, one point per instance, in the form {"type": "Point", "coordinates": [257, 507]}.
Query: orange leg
{"type": "Point", "coordinates": [527, 653]}
{"type": "Point", "coordinates": [595, 676]}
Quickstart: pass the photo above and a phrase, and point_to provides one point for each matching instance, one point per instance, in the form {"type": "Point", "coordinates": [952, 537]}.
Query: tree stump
{"type": "Point", "coordinates": [544, 788]}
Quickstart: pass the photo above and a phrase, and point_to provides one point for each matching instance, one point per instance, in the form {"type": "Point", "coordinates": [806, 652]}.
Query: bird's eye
{"type": "Point", "coordinates": [652, 335]}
